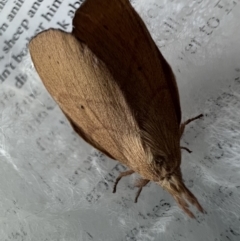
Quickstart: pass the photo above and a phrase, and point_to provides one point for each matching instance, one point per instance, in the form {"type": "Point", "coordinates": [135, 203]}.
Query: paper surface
{"type": "Point", "coordinates": [54, 186]}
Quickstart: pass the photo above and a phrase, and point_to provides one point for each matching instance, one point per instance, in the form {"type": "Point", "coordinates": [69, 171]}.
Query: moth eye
{"type": "Point", "coordinates": [157, 165]}
{"type": "Point", "coordinates": [159, 161]}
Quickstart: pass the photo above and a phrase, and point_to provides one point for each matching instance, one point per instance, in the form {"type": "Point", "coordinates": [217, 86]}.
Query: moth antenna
{"type": "Point", "coordinates": [121, 175]}
{"type": "Point", "coordinates": [182, 126]}
{"type": "Point", "coordinates": [140, 184]}
{"type": "Point", "coordinates": [186, 149]}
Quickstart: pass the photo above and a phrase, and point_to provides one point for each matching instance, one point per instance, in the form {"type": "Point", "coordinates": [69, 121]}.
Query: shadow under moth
{"type": "Point", "coordinates": [118, 92]}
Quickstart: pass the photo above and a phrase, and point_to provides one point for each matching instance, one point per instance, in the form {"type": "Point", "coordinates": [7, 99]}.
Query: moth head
{"type": "Point", "coordinates": [173, 183]}
{"type": "Point", "coordinates": [167, 174]}
{"type": "Point", "coordinates": [165, 165]}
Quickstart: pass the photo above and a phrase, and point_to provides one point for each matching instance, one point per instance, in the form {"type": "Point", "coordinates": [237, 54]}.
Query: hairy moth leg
{"type": "Point", "coordinates": [186, 149]}
{"type": "Point", "coordinates": [140, 184]}
{"type": "Point", "coordinates": [182, 126]}
{"type": "Point", "coordinates": [122, 174]}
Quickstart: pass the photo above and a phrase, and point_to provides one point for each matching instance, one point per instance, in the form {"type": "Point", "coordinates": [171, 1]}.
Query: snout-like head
{"type": "Point", "coordinates": [165, 171]}
{"type": "Point", "coordinates": [174, 184]}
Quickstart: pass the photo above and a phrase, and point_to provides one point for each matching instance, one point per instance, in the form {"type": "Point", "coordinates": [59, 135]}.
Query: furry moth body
{"type": "Point", "coordinates": [118, 92]}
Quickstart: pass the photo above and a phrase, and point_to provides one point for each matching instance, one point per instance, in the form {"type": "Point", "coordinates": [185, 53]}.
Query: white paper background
{"type": "Point", "coordinates": [54, 186]}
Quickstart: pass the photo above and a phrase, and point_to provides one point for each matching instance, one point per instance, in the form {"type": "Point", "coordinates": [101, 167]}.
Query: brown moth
{"type": "Point", "coordinates": [118, 92]}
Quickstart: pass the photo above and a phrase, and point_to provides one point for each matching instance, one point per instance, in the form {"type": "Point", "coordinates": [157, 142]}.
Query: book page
{"type": "Point", "coordinates": [54, 186]}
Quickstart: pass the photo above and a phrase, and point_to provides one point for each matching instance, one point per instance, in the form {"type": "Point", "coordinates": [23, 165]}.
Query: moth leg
{"type": "Point", "coordinates": [186, 149]}
{"type": "Point", "coordinates": [182, 126]}
{"type": "Point", "coordinates": [140, 184]}
{"type": "Point", "coordinates": [122, 174]}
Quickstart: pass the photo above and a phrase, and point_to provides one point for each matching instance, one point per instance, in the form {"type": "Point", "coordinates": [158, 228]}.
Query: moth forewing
{"type": "Point", "coordinates": [86, 93]}
{"type": "Point", "coordinates": [119, 37]}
